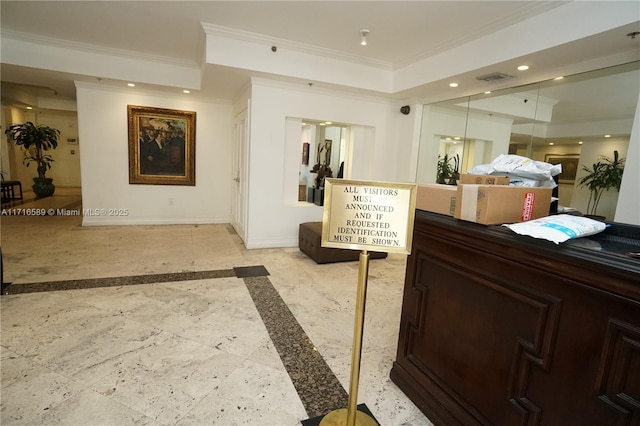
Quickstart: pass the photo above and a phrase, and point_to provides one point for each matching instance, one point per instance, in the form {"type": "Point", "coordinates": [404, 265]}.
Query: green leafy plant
{"type": "Point", "coordinates": [602, 176]}
{"type": "Point", "coordinates": [446, 172]}
{"type": "Point", "coordinates": [35, 140]}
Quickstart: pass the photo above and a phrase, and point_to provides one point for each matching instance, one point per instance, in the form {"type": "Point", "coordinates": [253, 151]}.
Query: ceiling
{"type": "Point", "coordinates": [401, 33]}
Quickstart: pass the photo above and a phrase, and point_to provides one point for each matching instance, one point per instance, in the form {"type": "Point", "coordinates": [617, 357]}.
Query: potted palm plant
{"type": "Point", "coordinates": [602, 176]}
{"type": "Point", "coordinates": [35, 141]}
{"type": "Point", "coordinates": [447, 173]}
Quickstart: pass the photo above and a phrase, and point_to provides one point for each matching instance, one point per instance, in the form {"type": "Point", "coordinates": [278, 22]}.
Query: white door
{"type": "Point", "coordinates": [239, 173]}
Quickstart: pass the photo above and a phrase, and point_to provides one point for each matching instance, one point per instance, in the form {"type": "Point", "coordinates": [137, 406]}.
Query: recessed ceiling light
{"type": "Point", "coordinates": [453, 84]}
{"type": "Point", "coordinates": [447, 138]}
{"type": "Point", "coordinates": [523, 67]}
{"type": "Point", "coordinates": [607, 136]}
{"type": "Point", "coordinates": [363, 37]}
{"type": "Point", "coordinates": [131, 85]}
{"type": "Point", "coordinates": [29, 107]}
{"type": "Point", "coordinates": [487, 92]}
{"type": "Point", "coordinates": [322, 124]}
{"type": "Point", "coordinates": [186, 91]}
{"type": "Point", "coordinates": [328, 122]}
{"type": "Point", "coordinates": [551, 143]}
{"type": "Point", "coordinates": [457, 138]}
{"type": "Point", "coordinates": [579, 142]}
{"type": "Point", "coordinates": [559, 78]}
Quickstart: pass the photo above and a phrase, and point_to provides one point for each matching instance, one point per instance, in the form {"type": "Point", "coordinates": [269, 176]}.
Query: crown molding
{"type": "Point", "coordinates": [515, 17]}
{"type": "Point", "coordinates": [191, 97]}
{"type": "Point", "coordinates": [92, 48]}
{"type": "Point", "coordinates": [247, 36]}
{"type": "Point", "coordinates": [347, 93]}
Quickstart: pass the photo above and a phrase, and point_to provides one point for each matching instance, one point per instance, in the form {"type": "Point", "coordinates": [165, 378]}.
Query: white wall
{"type": "Point", "coordinates": [65, 169]}
{"type": "Point", "coordinates": [274, 212]}
{"type": "Point", "coordinates": [102, 125]}
{"type": "Point", "coordinates": [628, 209]}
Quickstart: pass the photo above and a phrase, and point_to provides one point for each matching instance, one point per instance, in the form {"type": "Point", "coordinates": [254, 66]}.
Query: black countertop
{"type": "Point", "coordinates": [616, 245]}
{"type": "Point", "coordinates": [618, 238]}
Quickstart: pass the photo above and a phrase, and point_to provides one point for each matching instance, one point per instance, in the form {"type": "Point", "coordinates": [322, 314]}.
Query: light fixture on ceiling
{"type": "Point", "coordinates": [523, 67]}
{"type": "Point", "coordinates": [131, 85]}
{"type": "Point", "coordinates": [453, 84]}
{"type": "Point", "coordinates": [186, 91]}
{"type": "Point", "coordinates": [579, 142]}
{"type": "Point", "coordinates": [363, 37]}
{"type": "Point", "coordinates": [29, 107]}
{"type": "Point", "coordinates": [551, 144]}
{"type": "Point", "coordinates": [607, 136]}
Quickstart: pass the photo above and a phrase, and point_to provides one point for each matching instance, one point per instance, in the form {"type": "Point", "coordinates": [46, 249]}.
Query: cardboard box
{"type": "Point", "coordinates": [498, 204]}
{"type": "Point", "coordinates": [436, 198]}
{"type": "Point", "coordinates": [483, 179]}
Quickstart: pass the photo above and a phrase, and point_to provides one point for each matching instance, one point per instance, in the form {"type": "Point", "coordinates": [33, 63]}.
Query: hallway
{"type": "Point", "coordinates": [181, 325]}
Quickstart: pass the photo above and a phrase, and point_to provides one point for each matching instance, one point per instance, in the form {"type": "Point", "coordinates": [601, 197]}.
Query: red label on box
{"type": "Point", "coordinates": [527, 206]}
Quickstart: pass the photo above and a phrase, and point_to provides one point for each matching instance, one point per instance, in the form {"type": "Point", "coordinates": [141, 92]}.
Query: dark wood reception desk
{"type": "Point", "coordinates": [503, 329]}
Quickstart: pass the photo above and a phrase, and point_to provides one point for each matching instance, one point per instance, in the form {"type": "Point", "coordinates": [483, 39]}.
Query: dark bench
{"type": "Point", "coordinates": [310, 243]}
{"type": "Point", "coordinates": [8, 189]}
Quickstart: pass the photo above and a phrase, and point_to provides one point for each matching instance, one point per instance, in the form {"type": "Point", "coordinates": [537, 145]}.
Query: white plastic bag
{"type": "Point", "coordinates": [558, 228]}
{"type": "Point", "coordinates": [523, 171]}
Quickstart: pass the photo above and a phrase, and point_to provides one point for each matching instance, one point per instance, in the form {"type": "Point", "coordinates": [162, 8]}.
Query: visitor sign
{"type": "Point", "coordinates": [371, 216]}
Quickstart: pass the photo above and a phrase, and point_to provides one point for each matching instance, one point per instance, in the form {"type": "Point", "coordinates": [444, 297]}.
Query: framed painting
{"type": "Point", "coordinates": [569, 166]}
{"type": "Point", "coordinates": [305, 153]}
{"type": "Point", "coordinates": [161, 146]}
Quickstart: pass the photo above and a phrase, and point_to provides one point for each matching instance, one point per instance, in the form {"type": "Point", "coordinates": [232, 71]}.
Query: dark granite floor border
{"type": "Point", "coordinates": [8, 288]}
{"type": "Point", "coordinates": [318, 388]}
{"type": "Point", "coordinates": [251, 271]}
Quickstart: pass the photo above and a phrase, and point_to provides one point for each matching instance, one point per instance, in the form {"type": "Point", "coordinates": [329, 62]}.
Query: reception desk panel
{"type": "Point", "coordinates": [500, 329]}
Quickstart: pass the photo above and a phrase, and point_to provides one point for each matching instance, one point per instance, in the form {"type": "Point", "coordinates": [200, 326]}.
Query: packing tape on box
{"type": "Point", "coordinates": [469, 202]}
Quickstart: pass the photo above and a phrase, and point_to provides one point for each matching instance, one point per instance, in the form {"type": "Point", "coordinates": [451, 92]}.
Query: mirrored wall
{"type": "Point", "coordinates": [324, 154]}
{"type": "Point", "coordinates": [571, 120]}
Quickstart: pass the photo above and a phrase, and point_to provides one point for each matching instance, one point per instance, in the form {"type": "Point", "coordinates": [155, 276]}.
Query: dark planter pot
{"type": "Point", "coordinates": [43, 187]}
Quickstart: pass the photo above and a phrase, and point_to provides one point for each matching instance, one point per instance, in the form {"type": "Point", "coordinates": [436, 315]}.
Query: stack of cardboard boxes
{"type": "Point", "coordinates": [485, 199]}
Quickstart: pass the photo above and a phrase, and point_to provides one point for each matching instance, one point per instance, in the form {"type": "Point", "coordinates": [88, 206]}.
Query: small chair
{"type": "Point", "coordinates": [8, 189]}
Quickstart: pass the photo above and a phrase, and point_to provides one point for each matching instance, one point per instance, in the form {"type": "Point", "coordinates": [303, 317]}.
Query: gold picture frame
{"type": "Point", "coordinates": [161, 146]}
{"type": "Point", "coordinates": [569, 166]}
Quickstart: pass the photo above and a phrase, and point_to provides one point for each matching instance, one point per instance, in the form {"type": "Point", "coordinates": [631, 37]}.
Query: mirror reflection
{"type": "Point", "coordinates": [324, 148]}
{"type": "Point", "coordinates": [572, 120]}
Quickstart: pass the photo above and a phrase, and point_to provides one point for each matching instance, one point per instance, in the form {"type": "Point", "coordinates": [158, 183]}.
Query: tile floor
{"type": "Point", "coordinates": [192, 348]}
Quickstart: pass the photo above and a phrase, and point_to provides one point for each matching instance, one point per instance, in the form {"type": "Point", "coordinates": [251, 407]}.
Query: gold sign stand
{"type": "Point", "coordinates": [351, 416]}
{"type": "Point", "coordinates": [364, 215]}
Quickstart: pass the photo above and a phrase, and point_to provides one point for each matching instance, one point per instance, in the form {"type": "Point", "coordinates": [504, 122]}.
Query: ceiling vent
{"type": "Point", "coordinates": [494, 76]}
